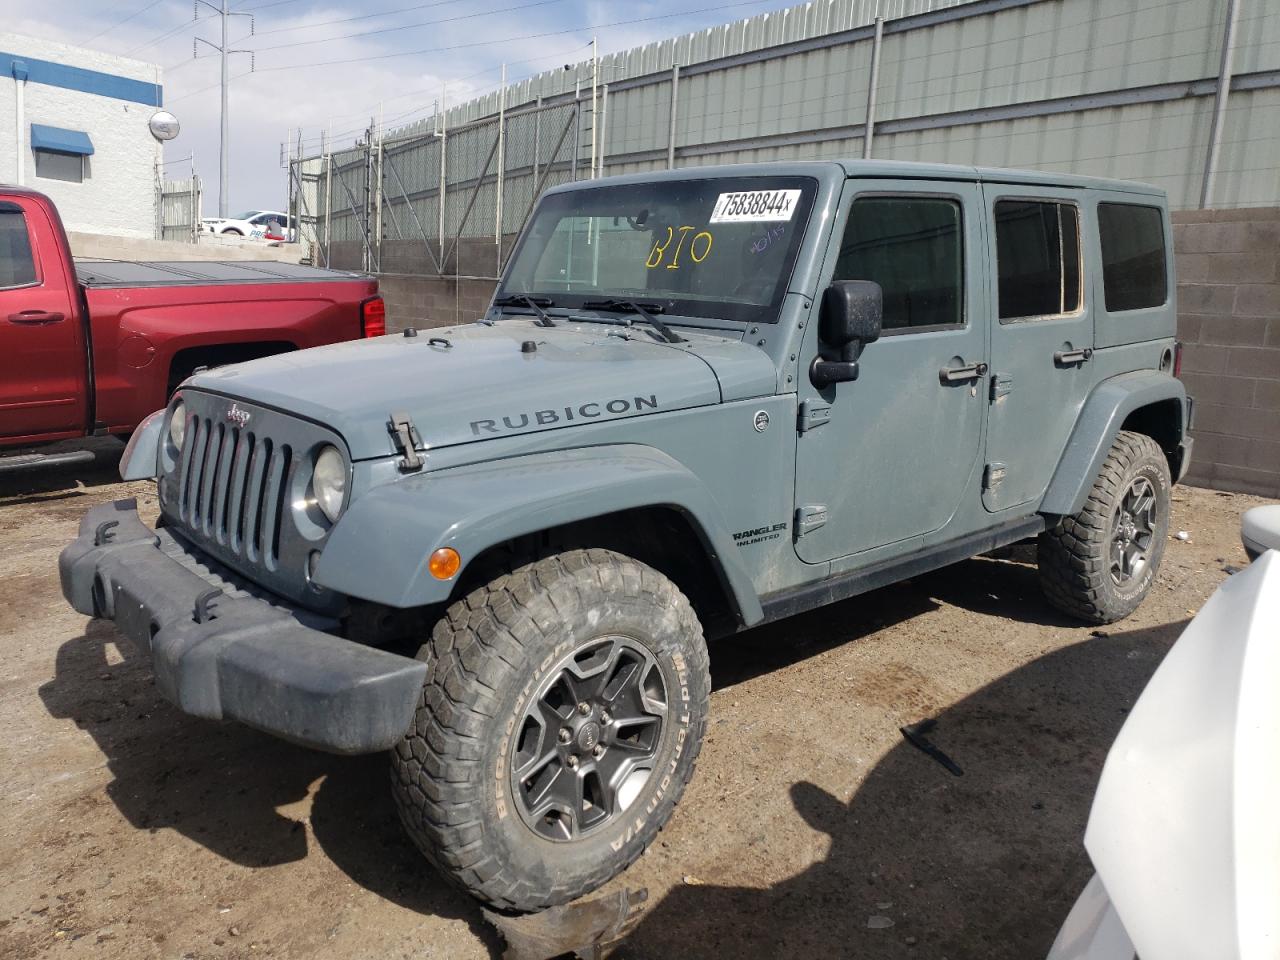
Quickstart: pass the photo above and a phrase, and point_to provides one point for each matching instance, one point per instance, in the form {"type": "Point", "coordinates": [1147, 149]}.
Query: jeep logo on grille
{"type": "Point", "coordinates": [237, 416]}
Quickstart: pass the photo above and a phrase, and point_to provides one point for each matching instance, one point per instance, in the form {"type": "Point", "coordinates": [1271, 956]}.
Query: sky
{"type": "Point", "coordinates": [334, 64]}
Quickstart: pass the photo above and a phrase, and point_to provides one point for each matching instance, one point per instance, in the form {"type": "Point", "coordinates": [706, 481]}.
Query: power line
{"type": "Point", "coordinates": [165, 34]}
{"type": "Point", "coordinates": [136, 13]}
{"type": "Point", "coordinates": [410, 26]}
{"type": "Point", "coordinates": [363, 16]}
{"type": "Point", "coordinates": [517, 39]}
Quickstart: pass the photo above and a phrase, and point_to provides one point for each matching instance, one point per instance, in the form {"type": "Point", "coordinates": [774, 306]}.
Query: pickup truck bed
{"type": "Point", "coordinates": [91, 347]}
{"type": "Point", "coordinates": [100, 274]}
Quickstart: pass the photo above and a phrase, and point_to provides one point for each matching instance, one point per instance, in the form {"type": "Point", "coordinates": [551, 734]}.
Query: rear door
{"type": "Point", "coordinates": [43, 361]}
{"type": "Point", "coordinates": [1042, 336]}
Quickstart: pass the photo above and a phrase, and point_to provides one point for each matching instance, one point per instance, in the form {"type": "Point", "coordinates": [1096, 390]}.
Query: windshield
{"type": "Point", "coordinates": [719, 248]}
{"type": "Point", "coordinates": [247, 215]}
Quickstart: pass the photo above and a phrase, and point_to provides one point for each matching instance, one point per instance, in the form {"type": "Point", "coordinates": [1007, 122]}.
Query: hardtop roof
{"type": "Point", "coordinates": [879, 169]}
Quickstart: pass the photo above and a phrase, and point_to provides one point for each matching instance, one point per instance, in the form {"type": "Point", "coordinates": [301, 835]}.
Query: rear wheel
{"type": "Point", "coordinates": [561, 716]}
{"type": "Point", "coordinates": [1099, 564]}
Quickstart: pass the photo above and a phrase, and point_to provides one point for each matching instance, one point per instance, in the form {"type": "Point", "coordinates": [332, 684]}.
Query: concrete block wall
{"type": "Point", "coordinates": [94, 246]}
{"type": "Point", "coordinates": [1228, 264]}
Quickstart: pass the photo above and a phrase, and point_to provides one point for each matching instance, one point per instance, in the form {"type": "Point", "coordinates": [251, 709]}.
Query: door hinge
{"type": "Point", "coordinates": [1001, 385]}
{"type": "Point", "coordinates": [809, 518]}
{"type": "Point", "coordinates": [994, 475]}
{"type": "Point", "coordinates": [812, 415]}
{"type": "Point", "coordinates": [405, 436]}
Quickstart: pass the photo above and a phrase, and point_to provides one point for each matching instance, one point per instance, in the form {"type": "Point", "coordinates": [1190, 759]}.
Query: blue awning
{"type": "Point", "coordinates": [60, 141]}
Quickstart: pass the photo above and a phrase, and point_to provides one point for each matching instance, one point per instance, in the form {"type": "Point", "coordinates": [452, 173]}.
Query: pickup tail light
{"type": "Point", "coordinates": [373, 317]}
{"type": "Point", "coordinates": [1177, 358]}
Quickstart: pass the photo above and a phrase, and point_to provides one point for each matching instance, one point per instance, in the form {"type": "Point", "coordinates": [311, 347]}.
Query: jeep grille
{"type": "Point", "coordinates": [232, 489]}
{"type": "Point", "coordinates": [238, 491]}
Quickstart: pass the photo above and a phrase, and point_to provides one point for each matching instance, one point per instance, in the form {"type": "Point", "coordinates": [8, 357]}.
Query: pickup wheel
{"type": "Point", "coordinates": [1099, 563]}
{"type": "Point", "coordinates": [560, 720]}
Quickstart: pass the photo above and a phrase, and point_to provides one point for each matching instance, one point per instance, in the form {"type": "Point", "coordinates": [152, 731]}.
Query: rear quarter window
{"type": "Point", "coordinates": [1134, 273]}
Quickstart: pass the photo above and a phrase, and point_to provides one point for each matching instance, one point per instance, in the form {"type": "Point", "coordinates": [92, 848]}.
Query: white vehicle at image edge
{"type": "Point", "coordinates": [1185, 832]}
{"type": "Point", "coordinates": [254, 224]}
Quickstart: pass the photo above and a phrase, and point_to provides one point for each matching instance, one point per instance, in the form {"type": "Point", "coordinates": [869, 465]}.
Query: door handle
{"type": "Point", "coordinates": [1065, 358]}
{"type": "Point", "coordinates": [972, 371]}
{"type": "Point", "coordinates": [36, 316]}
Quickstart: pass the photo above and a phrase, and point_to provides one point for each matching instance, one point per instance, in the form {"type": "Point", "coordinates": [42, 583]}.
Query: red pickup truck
{"type": "Point", "coordinates": [90, 348]}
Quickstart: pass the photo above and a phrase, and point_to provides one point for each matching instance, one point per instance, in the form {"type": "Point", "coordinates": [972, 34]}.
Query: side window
{"type": "Point", "coordinates": [912, 247]}
{"type": "Point", "coordinates": [17, 264]}
{"type": "Point", "coordinates": [52, 165]}
{"type": "Point", "coordinates": [1037, 258]}
{"type": "Point", "coordinates": [1133, 256]}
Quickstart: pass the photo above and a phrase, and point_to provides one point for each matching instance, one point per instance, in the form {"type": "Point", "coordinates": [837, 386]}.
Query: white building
{"type": "Point", "coordinates": [74, 125]}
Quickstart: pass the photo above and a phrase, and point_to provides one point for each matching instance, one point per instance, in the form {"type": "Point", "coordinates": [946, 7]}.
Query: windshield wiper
{"type": "Point", "coordinates": [533, 303]}
{"type": "Point", "coordinates": [646, 311]}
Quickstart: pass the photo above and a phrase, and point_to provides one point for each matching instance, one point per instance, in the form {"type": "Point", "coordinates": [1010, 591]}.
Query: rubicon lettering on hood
{"type": "Point", "coordinates": [559, 415]}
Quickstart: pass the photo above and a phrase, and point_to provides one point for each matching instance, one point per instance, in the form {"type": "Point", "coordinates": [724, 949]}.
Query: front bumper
{"type": "Point", "coordinates": [224, 654]}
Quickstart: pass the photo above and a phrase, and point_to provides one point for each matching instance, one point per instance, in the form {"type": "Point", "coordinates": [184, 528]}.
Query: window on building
{"type": "Point", "coordinates": [912, 247]}
{"type": "Point", "coordinates": [17, 264]}
{"type": "Point", "coordinates": [51, 165]}
{"type": "Point", "coordinates": [1133, 256]}
{"type": "Point", "coordinates": [1037, 258]}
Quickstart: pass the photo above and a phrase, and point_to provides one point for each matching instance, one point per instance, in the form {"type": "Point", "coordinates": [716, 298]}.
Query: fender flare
{"type": "Point", "coordinates": [379, 548]}
{"type": "Point", "coordinates": [141, 457]}
{"type": "Point", "coordinates": [1096, 428]}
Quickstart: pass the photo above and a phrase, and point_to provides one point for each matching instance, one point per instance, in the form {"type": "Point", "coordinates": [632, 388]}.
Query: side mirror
{"type": "Point", "coordinates": [851, 317]}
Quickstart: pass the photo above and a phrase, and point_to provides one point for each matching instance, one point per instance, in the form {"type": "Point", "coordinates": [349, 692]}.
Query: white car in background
{"type": "Point", "coordinates": [254, 224]}
{"type": "Point", "coordinates": [1185, 827]}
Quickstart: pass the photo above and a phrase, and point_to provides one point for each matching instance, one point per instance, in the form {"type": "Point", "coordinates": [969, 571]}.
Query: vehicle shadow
{"type": "Point", "coordinates": [221, 784]}
{"type": "Point", "coordinates": [35, 483]}
{"type": "Point", "coordinates": [983, 865]}
{"type": "Point", "coordinates": [1007, 587]}
{"type": "Point", "coordinates": [744, 656]}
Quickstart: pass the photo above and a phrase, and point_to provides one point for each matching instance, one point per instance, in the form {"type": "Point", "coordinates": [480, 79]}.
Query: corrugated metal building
{"type": "Point", "coordinates": [1114, 89]}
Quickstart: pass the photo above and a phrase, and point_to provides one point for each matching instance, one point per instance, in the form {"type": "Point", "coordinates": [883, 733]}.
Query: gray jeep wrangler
{"type": "Point", "coordinates": [700, 400]}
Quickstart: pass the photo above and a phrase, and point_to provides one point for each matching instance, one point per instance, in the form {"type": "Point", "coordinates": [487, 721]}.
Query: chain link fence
{"type": "Point", "coordinates": [178, 209]}
{"type": "Point", "coordinates": [436, 202]}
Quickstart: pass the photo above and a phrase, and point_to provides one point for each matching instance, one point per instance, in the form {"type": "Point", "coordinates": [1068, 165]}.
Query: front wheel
{"type": "Point", "coordinates": [562, 713]}
{"type": "Point", "coordinates": [1099, 564]}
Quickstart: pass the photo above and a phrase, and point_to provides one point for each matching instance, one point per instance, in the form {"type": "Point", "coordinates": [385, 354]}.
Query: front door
{"type": "Point", "coordinates": [43, 366]}
{"type": "Point", "coordinates": [887, 458]}
{"type": "Point", "coordinates": [1041, 337]}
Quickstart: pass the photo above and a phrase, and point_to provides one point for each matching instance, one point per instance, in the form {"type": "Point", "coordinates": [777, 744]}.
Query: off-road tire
{"type": "Point", "coordinates": [451, 772]}
{"type": "Point", "coordinates": [1074, 553]}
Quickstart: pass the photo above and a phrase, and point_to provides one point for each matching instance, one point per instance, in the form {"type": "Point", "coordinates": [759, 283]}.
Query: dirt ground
{"type": "Point", "coordinates": [811, 828]}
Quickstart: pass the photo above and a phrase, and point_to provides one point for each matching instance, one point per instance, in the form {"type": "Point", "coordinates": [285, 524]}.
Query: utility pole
{"type": "Point", "coordinates": [225, 51]}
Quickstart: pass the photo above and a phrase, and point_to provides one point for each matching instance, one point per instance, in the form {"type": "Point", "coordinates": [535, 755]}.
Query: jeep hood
{"type": "Point", "coordinates": [478, 382]}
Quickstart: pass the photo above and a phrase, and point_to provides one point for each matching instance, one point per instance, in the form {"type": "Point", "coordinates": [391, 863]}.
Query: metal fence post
{"type": "Point", "coordinates": [1220, 103]}
{"type": "Point", "coordinates": [604, 125]}
{"type": "Point", "coordinates": [577, 131]}
{"type": "Point", "coordinates": [675, 101]}
{"type": "Point", "coordinates": [328, 201]}
{"type": "Point", "coordinates": [377, 196]}
{"type": "Point", "coordinates": [537, 142]}
{"type": "Point", "coordinates": [869, 129]}
{"type": "Point", "coordinates": [444, 140]}
{"type": "Point", "coordinates": [502, 160]}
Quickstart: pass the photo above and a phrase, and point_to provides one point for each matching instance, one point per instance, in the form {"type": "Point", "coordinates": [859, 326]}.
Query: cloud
{"type": "Point", "coordinates": [287, 92]}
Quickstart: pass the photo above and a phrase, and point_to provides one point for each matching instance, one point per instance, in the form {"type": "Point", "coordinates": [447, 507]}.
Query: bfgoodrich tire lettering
{"type": "Point", "coordinates": [1100, 563]}
{"type": "Point", "coordinates": [492, 652]}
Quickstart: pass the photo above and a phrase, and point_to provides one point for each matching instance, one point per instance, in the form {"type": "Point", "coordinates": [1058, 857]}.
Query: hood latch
{"type": "Point", "coordinates": [406, 438]}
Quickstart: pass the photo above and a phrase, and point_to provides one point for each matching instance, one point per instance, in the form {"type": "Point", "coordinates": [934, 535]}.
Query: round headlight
{"type": "Point", "coordinates": [329, 481]}
{"type": "Point", "coordinates": [178, 425]}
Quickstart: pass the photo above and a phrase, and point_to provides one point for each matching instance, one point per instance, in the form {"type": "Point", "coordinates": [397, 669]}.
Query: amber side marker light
{"type": "Point", "coordinates": [444, 563]}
